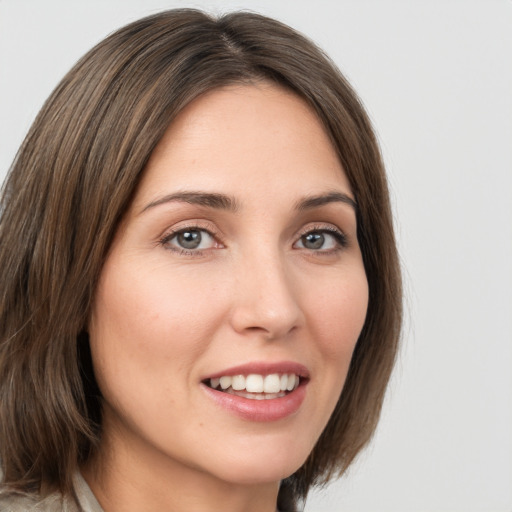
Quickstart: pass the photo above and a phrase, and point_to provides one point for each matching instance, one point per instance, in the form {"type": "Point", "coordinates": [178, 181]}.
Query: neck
{"type": "Point", "coordinates": [126, 477]}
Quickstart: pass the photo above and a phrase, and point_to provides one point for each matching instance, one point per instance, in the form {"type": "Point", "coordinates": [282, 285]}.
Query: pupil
{"type": "Point", "coordinates": [314, 241]}
{"type": "Point", "coordinates": [189, 239]}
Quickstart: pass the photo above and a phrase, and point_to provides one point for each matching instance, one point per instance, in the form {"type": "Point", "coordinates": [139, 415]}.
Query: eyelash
{"type": "Point", "coordinates": [181, 251]}
{"type": "Point", "coordinates": [339, 236]}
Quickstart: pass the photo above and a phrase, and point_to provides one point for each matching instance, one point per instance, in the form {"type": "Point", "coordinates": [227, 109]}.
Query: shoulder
{"type": "Point", "coordinates": [82, 501]}
{"type": "Point", "coordinates": [12, 502]}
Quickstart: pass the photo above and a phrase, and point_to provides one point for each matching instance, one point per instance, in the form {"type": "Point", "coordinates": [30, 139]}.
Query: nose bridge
{"type": "Point", "coordinates": [265, 300]}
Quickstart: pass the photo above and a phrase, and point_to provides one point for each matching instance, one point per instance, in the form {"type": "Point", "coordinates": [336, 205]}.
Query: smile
{"type": "Point", "coordinates": [256, 386]}
{"type": "Point", "coordinates": [259, 391]}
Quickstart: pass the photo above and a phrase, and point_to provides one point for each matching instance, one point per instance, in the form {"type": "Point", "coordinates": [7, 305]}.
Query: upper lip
{"type": "Point", "coordinates": [262, 368]}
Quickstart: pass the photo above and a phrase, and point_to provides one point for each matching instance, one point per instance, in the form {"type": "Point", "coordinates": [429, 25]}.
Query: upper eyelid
{"type": "Point", "coordinates": [191, 225]}
{"type": "Point", "coordinates": [328, 226]}
{"type": "Point", "coordinates": [171, 234]}
{"type": "Point", "coordinates": [165, 241]}
{"type": "Point", "coordinates": [191, 228]}
{"type": "Point", "coordinates": [339, 234]}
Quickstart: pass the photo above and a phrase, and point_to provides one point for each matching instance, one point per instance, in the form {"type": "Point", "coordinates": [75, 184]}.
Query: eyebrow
{"type": "Point", "coordinates": [208, 199]}
{"type": "Point", "coordinates": [224, 202]}
{"type": "Point", "coordinates": [322, 199]}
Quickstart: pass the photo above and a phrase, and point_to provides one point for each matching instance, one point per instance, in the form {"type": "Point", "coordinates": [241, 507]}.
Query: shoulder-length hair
{"type": "Point", "coordinates": [73, 179]}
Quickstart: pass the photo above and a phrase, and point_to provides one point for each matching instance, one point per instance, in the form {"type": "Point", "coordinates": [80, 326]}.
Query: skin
{"type": "Point", "coordinates": [255, 290]}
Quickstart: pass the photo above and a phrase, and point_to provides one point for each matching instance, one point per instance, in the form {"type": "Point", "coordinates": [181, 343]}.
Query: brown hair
{"type": "Point", "coordinates": [73, 179]}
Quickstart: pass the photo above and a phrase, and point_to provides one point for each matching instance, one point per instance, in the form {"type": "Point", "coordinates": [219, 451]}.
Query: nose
{"type": "Point", "coordinates": [265, 298]}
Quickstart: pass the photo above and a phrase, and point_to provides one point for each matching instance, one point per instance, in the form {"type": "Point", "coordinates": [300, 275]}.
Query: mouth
{"type": "Point", "coordinates": [259, 391]}
{"type": "Point", "coordinates": [256, 386]}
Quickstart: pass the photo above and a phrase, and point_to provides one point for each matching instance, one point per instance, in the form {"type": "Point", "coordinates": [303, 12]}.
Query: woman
{"type": "Point", "coordinates": [200, 286]}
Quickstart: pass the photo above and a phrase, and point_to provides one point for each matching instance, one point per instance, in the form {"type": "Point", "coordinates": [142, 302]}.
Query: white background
{"type": "Point", "coordinates": [436, 78]}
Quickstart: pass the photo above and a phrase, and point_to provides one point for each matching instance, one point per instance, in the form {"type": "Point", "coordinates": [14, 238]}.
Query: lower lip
{"type": "Point", "coordinates": [273, 409]}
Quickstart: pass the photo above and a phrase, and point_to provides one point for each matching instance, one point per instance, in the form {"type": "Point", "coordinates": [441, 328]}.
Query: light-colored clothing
{"type": "Point", "coordinates": [54, 502]}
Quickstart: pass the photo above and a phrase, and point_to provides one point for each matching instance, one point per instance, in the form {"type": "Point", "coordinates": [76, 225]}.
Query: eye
{"type": "Point", "coordinates": [325, 240]}
{"type": "Point", "coordinates": [190, 239]}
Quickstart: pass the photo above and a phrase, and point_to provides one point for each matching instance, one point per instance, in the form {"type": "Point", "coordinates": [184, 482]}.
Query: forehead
{"type": "Point", "coordinates": [241, 138]}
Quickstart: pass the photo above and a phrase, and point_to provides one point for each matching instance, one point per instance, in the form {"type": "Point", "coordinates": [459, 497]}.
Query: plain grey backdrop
{"type": "Point", "coordinates": [436, 78]}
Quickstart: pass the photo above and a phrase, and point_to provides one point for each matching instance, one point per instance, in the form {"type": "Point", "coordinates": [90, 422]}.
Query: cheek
{"type": "Point", "coordinates": [147, 333]}
{"type": "Point", "coordinates": [336, 317]}
{"type": "Point", "coordinates": [146, 327]}
{"type": "Point", "coordinates": [152, 304]}
{"type": "Point", "coordinates": [337, 313]}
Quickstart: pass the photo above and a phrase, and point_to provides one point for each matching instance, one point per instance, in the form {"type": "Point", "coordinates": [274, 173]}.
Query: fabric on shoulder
{"type": "Point", "coordinates": [14, 502]}
{"type": "Point", "coordinates": [56, 502]}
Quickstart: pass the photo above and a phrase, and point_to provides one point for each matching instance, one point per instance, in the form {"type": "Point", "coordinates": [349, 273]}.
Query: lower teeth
{"type": "Point", "coordinates": [254, 396]}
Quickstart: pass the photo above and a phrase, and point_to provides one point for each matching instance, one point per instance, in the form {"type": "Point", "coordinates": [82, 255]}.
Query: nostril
{"type": "Point", "coordinates": [265, 305]}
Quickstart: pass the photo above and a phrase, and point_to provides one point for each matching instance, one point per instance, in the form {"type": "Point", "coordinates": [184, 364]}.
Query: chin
{"type": "Point", "coordinates": [260, 466]}
{"type": "Point", "coordinates": [250, 475]}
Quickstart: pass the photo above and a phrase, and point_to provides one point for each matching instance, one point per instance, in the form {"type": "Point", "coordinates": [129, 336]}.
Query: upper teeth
{"type": "Point", "coordinates": [254, 383]}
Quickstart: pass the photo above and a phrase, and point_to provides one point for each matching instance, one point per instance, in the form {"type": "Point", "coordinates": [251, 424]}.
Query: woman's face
{"type": "Point", "coordinates": [236, 266]}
